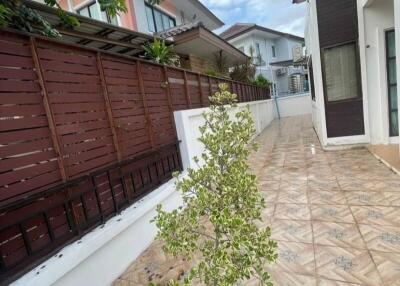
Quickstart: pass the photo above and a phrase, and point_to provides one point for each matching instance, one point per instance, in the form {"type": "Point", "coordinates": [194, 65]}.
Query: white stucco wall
{"type": "Point", "coordinates": [313, 50]}
{"type": "Point", "coordinates": [294, 105]}
{"type": "Point", "coordinates": [188, 123]}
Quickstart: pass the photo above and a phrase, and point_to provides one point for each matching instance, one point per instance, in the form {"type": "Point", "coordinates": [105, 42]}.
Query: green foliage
{"type": "Point", "coordinates": [244, 72]}
{"type": "Point", "coordinates": [159, 52]}
{"type": "Point", "coordinates": [113, 7]}
{"type": "Point", "coordinates": [261, 81]}
{"type": "Point", "coordinates": [15, 14]}
{"type": "Point", "coordinates": [220, 64]}
{"type": "Point", "coordinates": [221, 204]}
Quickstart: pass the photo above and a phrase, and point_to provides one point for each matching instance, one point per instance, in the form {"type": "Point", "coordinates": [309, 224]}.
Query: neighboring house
{"type": "Point", "coordinates": [187, 23]}
{"type": "Point", "coordinates": [272, 52]}
{"type": "Point", "coordinates": [353, 48]}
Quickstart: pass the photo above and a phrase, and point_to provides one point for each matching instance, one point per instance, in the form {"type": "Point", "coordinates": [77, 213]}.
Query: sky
{"type": "Point", "coordinates": [279, 15]}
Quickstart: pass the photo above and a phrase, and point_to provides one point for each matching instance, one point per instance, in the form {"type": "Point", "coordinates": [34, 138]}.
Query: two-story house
{"type": "Point", "coordinates": [272, 52]}
{"type": "Point", "coordinates": [186, 23]}
{"type": "Point", "coordinates": [353, 50]}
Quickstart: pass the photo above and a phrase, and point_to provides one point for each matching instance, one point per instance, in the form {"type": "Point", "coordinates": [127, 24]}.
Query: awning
{"type": "Point", "coordinates": [95, 34]}
{"type": "Point", "coordinates": [289, 63]}
{"type": "Point", "coordinates": [195, 39]}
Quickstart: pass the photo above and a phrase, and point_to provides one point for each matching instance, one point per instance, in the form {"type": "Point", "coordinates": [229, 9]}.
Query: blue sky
{"type": "Point", "coordinates": [279, 15]}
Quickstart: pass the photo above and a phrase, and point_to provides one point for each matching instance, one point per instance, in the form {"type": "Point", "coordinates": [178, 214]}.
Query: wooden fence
{"type": "Point", "coordinates": [83, 133]}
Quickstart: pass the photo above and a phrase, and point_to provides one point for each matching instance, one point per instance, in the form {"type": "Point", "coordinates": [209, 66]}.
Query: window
{"type": "Point", "coordinates": [92, 10]}
{"type": "Point", "coordinates": [392, 83]}
{"type": "Point", "coordinates": [158, 21]}
{"type": "Point", "coordinates": [273, 51]}
{"type": "Point", "coordinates": [241, 49]}
{"type": "Point", "coordinates": [341, 72]}
{"type": "Point", "coordinates": [258, 52]}
{"type": "Point", "coordinates": [311, 76]}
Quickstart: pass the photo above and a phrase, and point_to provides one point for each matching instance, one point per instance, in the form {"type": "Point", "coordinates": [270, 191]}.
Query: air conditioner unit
{"type": "Point", "coordinates": [281, 71]}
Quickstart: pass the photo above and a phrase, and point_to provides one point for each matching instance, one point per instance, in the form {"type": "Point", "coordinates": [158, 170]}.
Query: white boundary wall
{"type": "Point", "coordinates": [294, 105]}
{"type": "Point", "coordinates": [102, 255]}
{"type": "Point", "coordinates": [189, 121]}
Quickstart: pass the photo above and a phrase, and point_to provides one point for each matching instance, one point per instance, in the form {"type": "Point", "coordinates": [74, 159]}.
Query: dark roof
{"type": "Point", "coordinates": [174, 31]}
{"type": "Point", "coordinates": [298, 1]}
{"type": "Point", "coordinates": [174, 34]}
{"type": "Point", "coordinates": [95, 34]}
{"type": "Point", "coordinates": [241, 28]}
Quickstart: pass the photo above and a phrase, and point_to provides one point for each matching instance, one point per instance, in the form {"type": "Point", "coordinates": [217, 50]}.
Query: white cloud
{"type": "Point", "coordinates": [275, 14]}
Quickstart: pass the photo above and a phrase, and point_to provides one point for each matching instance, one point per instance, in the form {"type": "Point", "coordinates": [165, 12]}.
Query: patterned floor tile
{"type": "Point", "coordinates": [291, 230]}
{"type": "Point", "coordinates": [290, 279]}
{"type": "Point", "coordinates": [326, 197]}
{"type": "Point", "coordinates": [296, 258]}
{"type": "Point", "coordinates": [292, 197]}
{"type": "Point", "coordinates": [376, 215]}
{"type": "Point", "coordinates": [388, 266]}
{"type": "Point", "coordinates": [346, 265]}
{"type": "Point", "coordinates": [381, 238]}
{"type": "Point", "coordinates": [324, 282]}
{"type": "Point", "coordinates": [337, 234]}
{"type": "Point", "coordinates": [366, 198]}
{"type": "Point", "coordinates": [292, 211]}
{"type": "Point", "coordinates": [333, 213]}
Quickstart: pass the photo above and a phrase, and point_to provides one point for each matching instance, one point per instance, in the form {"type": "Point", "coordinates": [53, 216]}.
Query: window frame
{"type": "Point", "coordinates": [388, 58]}
{"type": "Point", "coordinates": [358, 71]}
{"type": "Point", "coordinates": [152, 8]}
{"type": "Point", "coordinates": [107, 19]}
{"type": "Point", "coordinates": [273, 51]}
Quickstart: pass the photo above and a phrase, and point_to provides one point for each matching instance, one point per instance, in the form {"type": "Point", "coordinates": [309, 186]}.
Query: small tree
{"type": "Point", "coordinates": [221, 204]}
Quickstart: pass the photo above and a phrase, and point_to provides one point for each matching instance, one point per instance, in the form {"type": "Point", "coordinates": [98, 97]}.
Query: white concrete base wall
{"type": "Point", "coordinates": [294, 105]}
{"type": "Point", "coordinates": [189, 121]}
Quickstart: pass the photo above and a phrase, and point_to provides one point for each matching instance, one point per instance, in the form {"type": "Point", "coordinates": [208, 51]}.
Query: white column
{"type": "Point", "coordinates": [397, 31]}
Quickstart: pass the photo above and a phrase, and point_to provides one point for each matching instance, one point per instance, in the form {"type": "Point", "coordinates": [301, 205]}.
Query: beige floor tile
{"type": "Point", "coordinates": [332, 213]}
{"type": "Point", "coordinates": [346, 265]}
{"type": "Point", "coordinates": [366, 198]}
{"type": "Point", "coordinates": [376, 215]}
{"type": "Point", "coordinates": [294, 257]}
{"type": "Point", "coordinates": [337, 234]}
{"type": "Point", "coordinates": [381, 237]}
{"type": "Point", "coordinates": [293, 197]}
{"type": "Point", "coordinates": [388, 266]}
{"type": "Point", "coordinates": [292, 211]}
{"type": "Point", "coordinates": [291, 230]}
{"type": "Point", "coordinates": [326, 197]}
{"type": "Point", "coordinates": [324, 282]}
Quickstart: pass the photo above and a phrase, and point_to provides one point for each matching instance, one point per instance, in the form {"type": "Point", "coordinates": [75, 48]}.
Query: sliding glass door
{"type": "Point", "coordinates": [392, 83]}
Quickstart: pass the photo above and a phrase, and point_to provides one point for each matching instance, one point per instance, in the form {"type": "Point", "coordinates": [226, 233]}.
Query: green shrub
{"type": "Point", "coordinates": [222, 204]}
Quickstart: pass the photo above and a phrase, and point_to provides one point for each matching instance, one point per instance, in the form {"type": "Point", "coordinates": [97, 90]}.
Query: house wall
{"type": "Point", "coordinates": [374, 21]}
{"type": "Point", "coordinates": [313, 51]}
{"type": "Point", "coordinates": [283, 48]}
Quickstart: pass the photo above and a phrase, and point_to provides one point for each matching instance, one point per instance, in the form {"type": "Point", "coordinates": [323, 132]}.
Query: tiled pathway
{"type": "Point", "coordinates": [335, 215]}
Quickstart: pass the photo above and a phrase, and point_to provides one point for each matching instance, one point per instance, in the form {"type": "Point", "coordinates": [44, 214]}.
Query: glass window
{"type": "Point", "coordinates": [158, 21]}
{"type": "Point", "coordinates": [92, 11]}
{"type": "Point", "coordinates": [392, 83]}
{"type": "Point", "coordinates": [341, 72]}
{"type": "Point", "coordinates": [273, 51]}
{"type": "Point", "coordinates": [258, 51]}
{"type": "Point", "coordinates": [150, 19]}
